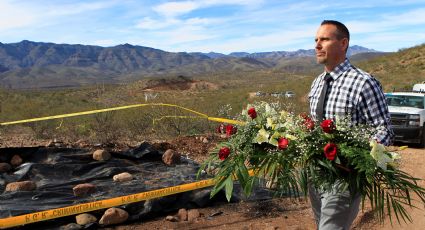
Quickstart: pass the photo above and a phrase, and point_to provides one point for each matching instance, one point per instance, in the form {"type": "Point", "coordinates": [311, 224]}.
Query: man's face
{"type": "Point", "coordinates": [329, 50]}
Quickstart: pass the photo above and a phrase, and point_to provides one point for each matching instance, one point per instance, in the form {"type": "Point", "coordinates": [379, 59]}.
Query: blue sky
{"type": "Point", "coordinates": [212, 25]}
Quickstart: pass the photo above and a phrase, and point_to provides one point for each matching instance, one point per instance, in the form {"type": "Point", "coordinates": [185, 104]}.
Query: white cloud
{"type": "Point", "coordinates": [173, 9]}
{"type": "Point", "coordinates": [413, 17]}
{"type": "Point", "coordinates": [289, 39]}
{"type": "Point", "coordinates": [153, 24]}
{"type": "Point", "coordinates": [391, 41]}
{"type": "Point", "coordinates": [247, 25]}
{"type": "Point", "coordinates": [386, 22]}
{"type": "Point", "coordinates": [78, 8]}
{"type": "Point", "coordinates": [14, 15]}
{"type": "Point", "coordinates": [184, 34]}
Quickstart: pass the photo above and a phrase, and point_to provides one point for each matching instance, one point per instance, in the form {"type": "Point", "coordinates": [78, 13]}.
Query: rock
{"type": "Point", "coordinates": [122, 177]}
{"type": "Point", "coordinates": [85, 218]}
{"type": "Point", "coordinates": [4, 167]}
{"type": "Point", "coordinates": [193, 215]}
{"type": "Point", "coordinates": [16, 160]}
{"type": "Point", "coordinates": [84, 189]}
{"type": "Point", "coordinates": [172, 218]}
{"type": "Point", "coordinates": [113, 216]}
{"type": "Point", "coordinates": [54, 143]}
{"type": "Point", "coordinates": [171, 157]}
{"type": "Point", "coordinates": [182, 214]}
{"type": "Point", "coordinates": [21, 186]}
{"type": "Point", "coordinates": [101, 155]}
{"type": "Point", "coordinates": [71, 226]}
{"type": "Point", "coordinates": [81, 143]}
{"type": "Point", "coordinates": [205, 140]}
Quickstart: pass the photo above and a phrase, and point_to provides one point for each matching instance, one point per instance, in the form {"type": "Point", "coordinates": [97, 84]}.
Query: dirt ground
{"type": "Point", "coordinates": [283, 213]}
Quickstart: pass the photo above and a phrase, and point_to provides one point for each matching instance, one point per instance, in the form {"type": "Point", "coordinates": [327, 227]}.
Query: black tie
{"type": "Point", "coordinates": [320, 104]}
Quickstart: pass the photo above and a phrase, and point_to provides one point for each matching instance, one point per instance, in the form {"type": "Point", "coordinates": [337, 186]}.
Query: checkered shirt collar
{"type": "Point", "coordinates": [338, 70]}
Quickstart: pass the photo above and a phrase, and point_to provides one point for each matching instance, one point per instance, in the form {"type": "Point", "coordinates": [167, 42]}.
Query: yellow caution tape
{"type": "Point", "coordinates": [15, 221]}
{"type": "Point", "coordinates": [121, 108]}
{"type": "Point", "coordinates": [100, 204]}
{"type": "Point", "coordinates": [403, 147]}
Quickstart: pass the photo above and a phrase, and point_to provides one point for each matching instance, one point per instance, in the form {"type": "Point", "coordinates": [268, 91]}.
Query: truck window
{"type": "Point", "coordinates": [406, 101]}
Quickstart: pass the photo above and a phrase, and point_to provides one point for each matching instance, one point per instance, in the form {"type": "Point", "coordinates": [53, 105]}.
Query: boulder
{"type": "Point", "coordinates": [182, 214]}
{"type": "Point", "coordinates": [193, 215]}
{"type": "Point", "coordinates": [113, 216]}
{"type": "Point", "coordinates": [205, 140]}
{"type": "Point", "coordinates": [84, 189]}
{"type": "Point", "coordinates": [171, 157]}
{"type": "Point", "coordinates": [21, 186]}
{"type": "Point", "coordinates": [16, 160]}
{"type": "Point", "coordinates": [85, 218]}
{"type": "Point", "coordinates": [5, 167]}
{"type": "Point", "coordinates": [172, 218]}
{"type": "Point", "coordinates": [122, 177]}
{"type": "Point", "coordinates": [101, 155]}
{"type": "Point", "coordinates": [55, 143]}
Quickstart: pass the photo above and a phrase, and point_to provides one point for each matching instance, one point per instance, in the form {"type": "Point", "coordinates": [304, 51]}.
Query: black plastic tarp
{"type": "Point", "coordinates": [57, 170]}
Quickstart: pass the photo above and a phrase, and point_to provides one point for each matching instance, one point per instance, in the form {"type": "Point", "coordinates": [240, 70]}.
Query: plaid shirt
{"type": "Point", "coordinates": [356, 93]}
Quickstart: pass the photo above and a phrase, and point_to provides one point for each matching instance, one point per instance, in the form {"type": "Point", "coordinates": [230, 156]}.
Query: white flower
{"type": "Point", "coordinates": [341, 124]}
{"type": "Point", "coordinates": [283, 114]}
{"type": "Point", "coordinates": [290, 137]}
{"type": "Point", "coordinates": [269, 110]}
{"type": "Point", "coordinates": [274, 138]}
{"type": "Point", "coordinates": [378, 153]}
{"type": "Point", "coordinates": [396, 159]}
{"type": "Point", "coordinates": [269, 123]}
{"type": "Point", "coordinates": [262, 136]}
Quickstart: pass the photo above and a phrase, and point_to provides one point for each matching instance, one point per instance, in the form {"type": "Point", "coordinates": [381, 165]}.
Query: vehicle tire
{"type": "Point", "coordinates": [422, 143]}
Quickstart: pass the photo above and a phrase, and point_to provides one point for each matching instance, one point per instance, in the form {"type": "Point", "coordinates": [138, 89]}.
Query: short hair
{"type": "Point", "coordinates": [342, 30]}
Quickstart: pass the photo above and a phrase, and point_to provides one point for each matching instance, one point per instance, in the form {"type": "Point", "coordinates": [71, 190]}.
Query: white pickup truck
{"type": "Point", "coordinates": [407, 111]}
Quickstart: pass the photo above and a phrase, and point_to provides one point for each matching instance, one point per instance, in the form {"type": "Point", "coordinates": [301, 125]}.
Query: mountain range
{"type": "Point", "coordinates": [28, 64]}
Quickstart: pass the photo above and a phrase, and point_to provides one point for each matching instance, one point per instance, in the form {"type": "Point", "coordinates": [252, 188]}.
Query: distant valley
{"type": "Point", "coordinates": [31, 65]}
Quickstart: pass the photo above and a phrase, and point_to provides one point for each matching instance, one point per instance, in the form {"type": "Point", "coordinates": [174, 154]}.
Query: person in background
{"type": "Point", "coordinates": [343, 90]}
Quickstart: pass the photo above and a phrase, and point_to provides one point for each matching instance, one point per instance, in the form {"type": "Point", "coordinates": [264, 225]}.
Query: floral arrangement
{"type": "Point", "coordinates": [291, 151]}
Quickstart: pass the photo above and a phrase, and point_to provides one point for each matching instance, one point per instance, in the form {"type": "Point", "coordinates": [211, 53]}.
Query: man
{"type": "Point", "coordinates": [343, 90]}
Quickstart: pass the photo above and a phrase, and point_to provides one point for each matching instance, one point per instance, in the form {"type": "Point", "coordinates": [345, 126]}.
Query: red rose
{"type": "Point", "coordinates": [220, 128]}
{"type": "Point", "coordinates": [230, 130]}
{"type": "Point", "coordinates": [309, 123]}
{"type": "Point", "coordinates": [330, 151]}
{"type": "Point", "coordinates": [327, 126]}
{"type": "Point", "coordinates": [223, 153]}
{"type": "Point", "coordinates": [282, 143]}
{"type": "Point", "coordinates": [252, 113]}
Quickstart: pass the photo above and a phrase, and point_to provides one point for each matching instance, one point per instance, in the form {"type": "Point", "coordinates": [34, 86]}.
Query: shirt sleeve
{"type": "Point", "coordinates": [374, 110]}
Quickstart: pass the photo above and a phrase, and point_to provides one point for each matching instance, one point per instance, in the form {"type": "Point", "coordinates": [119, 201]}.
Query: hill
{"type": "Point", "coordinates": [398, 70]}
{"type": "Point", "coordinates": [28, 64]}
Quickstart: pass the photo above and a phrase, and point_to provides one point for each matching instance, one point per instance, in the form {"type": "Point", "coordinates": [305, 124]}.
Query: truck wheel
{"type": "Point", "coordinates": [422, 144]}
